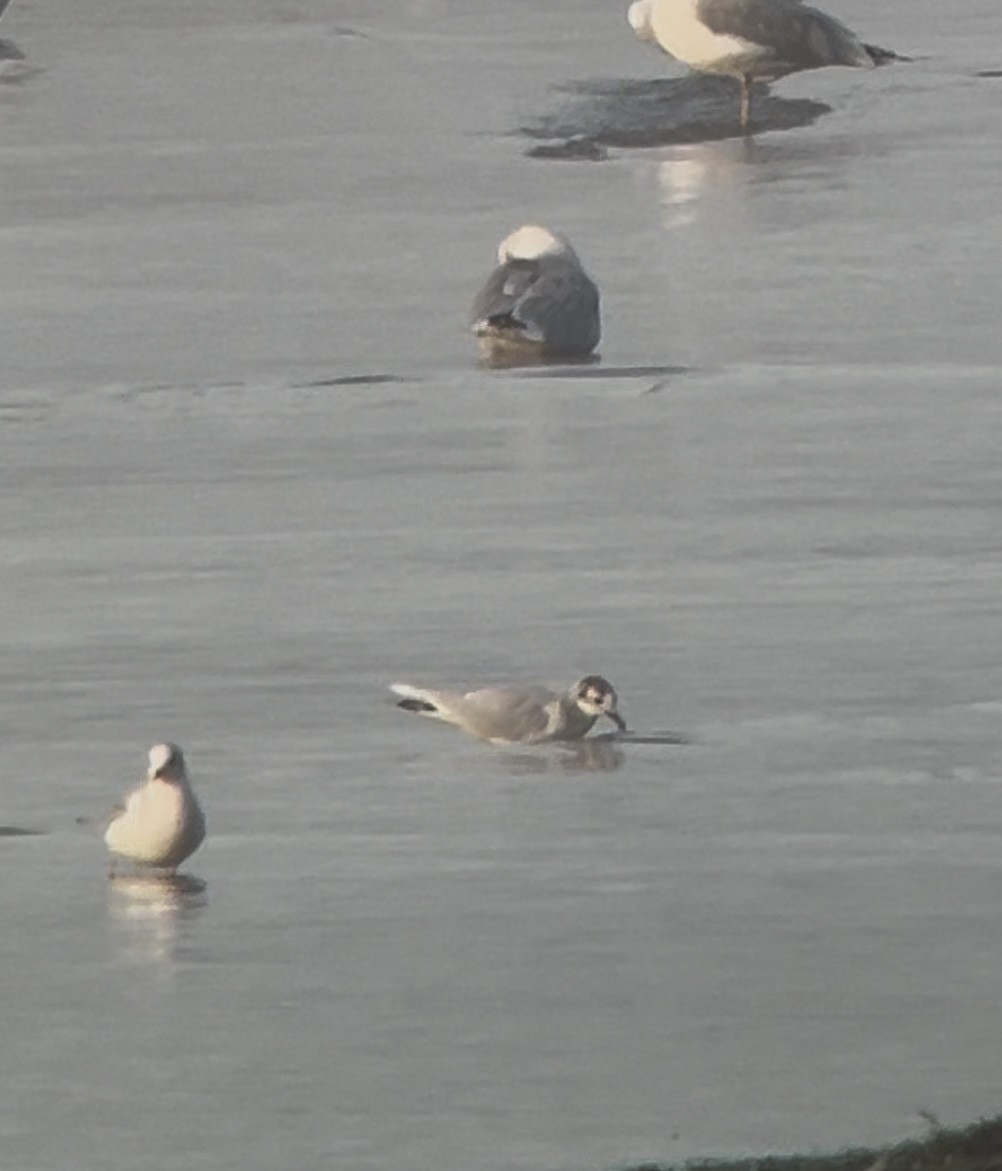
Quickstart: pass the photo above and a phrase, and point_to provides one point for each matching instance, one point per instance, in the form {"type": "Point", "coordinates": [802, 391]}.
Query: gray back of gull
{"type": "Point", "coordinates": [549, 300]}
{"type": "Point", "coordinates": [793, 35]}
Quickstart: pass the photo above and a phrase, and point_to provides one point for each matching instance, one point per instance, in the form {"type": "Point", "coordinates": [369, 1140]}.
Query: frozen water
{"type": "Point", "coordinates": [252, 474]}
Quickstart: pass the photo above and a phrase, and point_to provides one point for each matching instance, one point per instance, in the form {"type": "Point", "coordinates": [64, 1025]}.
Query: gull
{"type": "Point", "coordinates": [752, 40]}
{"type": "Point", "coordinates": [8, 50]}
{"type": "Point", "coordinates": [537, 299]}
{"type": "Point", "coordinates": [518, 715]}
{"type": "Point", "coordinates": [161, 822]}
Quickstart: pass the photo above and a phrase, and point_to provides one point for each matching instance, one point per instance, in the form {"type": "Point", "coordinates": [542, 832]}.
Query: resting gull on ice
{"type": "Point", "coordinates": [161, 822]}
{"type": "Point", "coordinates": [752, 40]}
{"type": "Point", "coordinates": [538, 299]}
{"type": "Point", "coordinates": [518, 715]}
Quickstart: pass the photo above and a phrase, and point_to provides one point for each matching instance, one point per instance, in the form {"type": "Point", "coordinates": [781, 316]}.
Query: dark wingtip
{"type": "Point", "coordinates": [416, 705]}
{"type": "Point", "coordinates": [499, 324]}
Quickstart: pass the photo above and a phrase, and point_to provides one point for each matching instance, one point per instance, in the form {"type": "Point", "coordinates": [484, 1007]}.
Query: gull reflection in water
{"type": "Point", "coordinates": [718, 171]}
{"type": "Point", "coordinates": [701, 176]}
{"type": "Point", "coordinates": [590, 755]}
{"type": "Point", "coordinates": [148, 909]}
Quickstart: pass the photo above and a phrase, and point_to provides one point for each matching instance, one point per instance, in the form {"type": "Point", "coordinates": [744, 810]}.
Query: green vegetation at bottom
{"type": "Point", "coordinates": [972, 1148]}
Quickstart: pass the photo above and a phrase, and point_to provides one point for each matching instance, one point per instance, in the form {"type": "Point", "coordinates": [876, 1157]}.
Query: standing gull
{"type": "Point", "coordinates": [539, 299]}
{"type": "Point", "coordinates": [752, 40]}
{"type": "Point", "coordinates": [518, 715]}
{"type": "Point", "coordinates": [161, 822]}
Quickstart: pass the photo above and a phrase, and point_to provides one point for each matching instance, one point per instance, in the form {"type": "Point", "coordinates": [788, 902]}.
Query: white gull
{"type": "Point", "coordinates": [161, 822]}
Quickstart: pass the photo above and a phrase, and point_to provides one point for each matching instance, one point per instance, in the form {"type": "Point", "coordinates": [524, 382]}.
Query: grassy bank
{"type": "Point", "coordinates": [972, 1148]}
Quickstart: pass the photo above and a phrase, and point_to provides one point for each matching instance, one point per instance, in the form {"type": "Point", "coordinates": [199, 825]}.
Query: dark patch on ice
{"type": "Point", "coordinates": [576, 149]}
{"type": "Point", "coordinates": [134, 393]}
{"type": "Point", "coordinates": [661, 375]}
{"type": "Point", "coordinates": [354, 380]}
{"type": "Point", "coordinates": [19, 831]}
{"type": "Point", "coordinates": [660, 112]}
{"type": "Point", "coordinates": [604, 372]}
{"type": "Point", "coordinates": [989, 73]}
{"type": "Point", "coordinates": [671, 738]}
{"type": "Point", "coordinates": [201, 390]}
{"type": "Point", "coordinates": [659, 385]}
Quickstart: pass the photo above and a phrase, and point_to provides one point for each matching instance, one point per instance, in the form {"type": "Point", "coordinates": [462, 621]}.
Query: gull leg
{"type": "Point", "coordinates": [746, 84]}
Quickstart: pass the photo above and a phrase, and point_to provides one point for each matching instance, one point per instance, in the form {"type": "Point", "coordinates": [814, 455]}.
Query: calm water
{"type": "Point", "coordinates": [217, 221]}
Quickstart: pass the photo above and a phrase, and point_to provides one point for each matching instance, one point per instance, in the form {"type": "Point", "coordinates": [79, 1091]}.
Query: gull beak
{"type": "Point", "coordinates": [617, 719]}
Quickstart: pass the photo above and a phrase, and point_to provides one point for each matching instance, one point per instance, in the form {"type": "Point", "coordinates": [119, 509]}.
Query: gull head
{"type": "Point", "coordinates": [166, 763]}
{"type": "Point", "coordinates": [531, 242]}
{"type": "Point", "coordinates": [641, 19]}
{"type": "Point", "coordinates": [596, 697]}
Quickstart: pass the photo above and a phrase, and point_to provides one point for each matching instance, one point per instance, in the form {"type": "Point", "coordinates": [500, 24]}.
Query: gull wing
{"type": "Point", "coordinates": [510, 713]}
{"type": "Point", "coordinates": [550, 300]}
{"type": "Point", "coordinates": [797, 36]}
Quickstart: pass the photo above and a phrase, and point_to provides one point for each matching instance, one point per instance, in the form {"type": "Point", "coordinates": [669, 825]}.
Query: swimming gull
{"type": "Point", "coordinates": [539, 298]}
{"type": "Point", "coordinates": [161, 822]}
{"type": "Point", "coordinates": [518, 715]}
{"type": "Point", "coordinates": [752, 40]}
